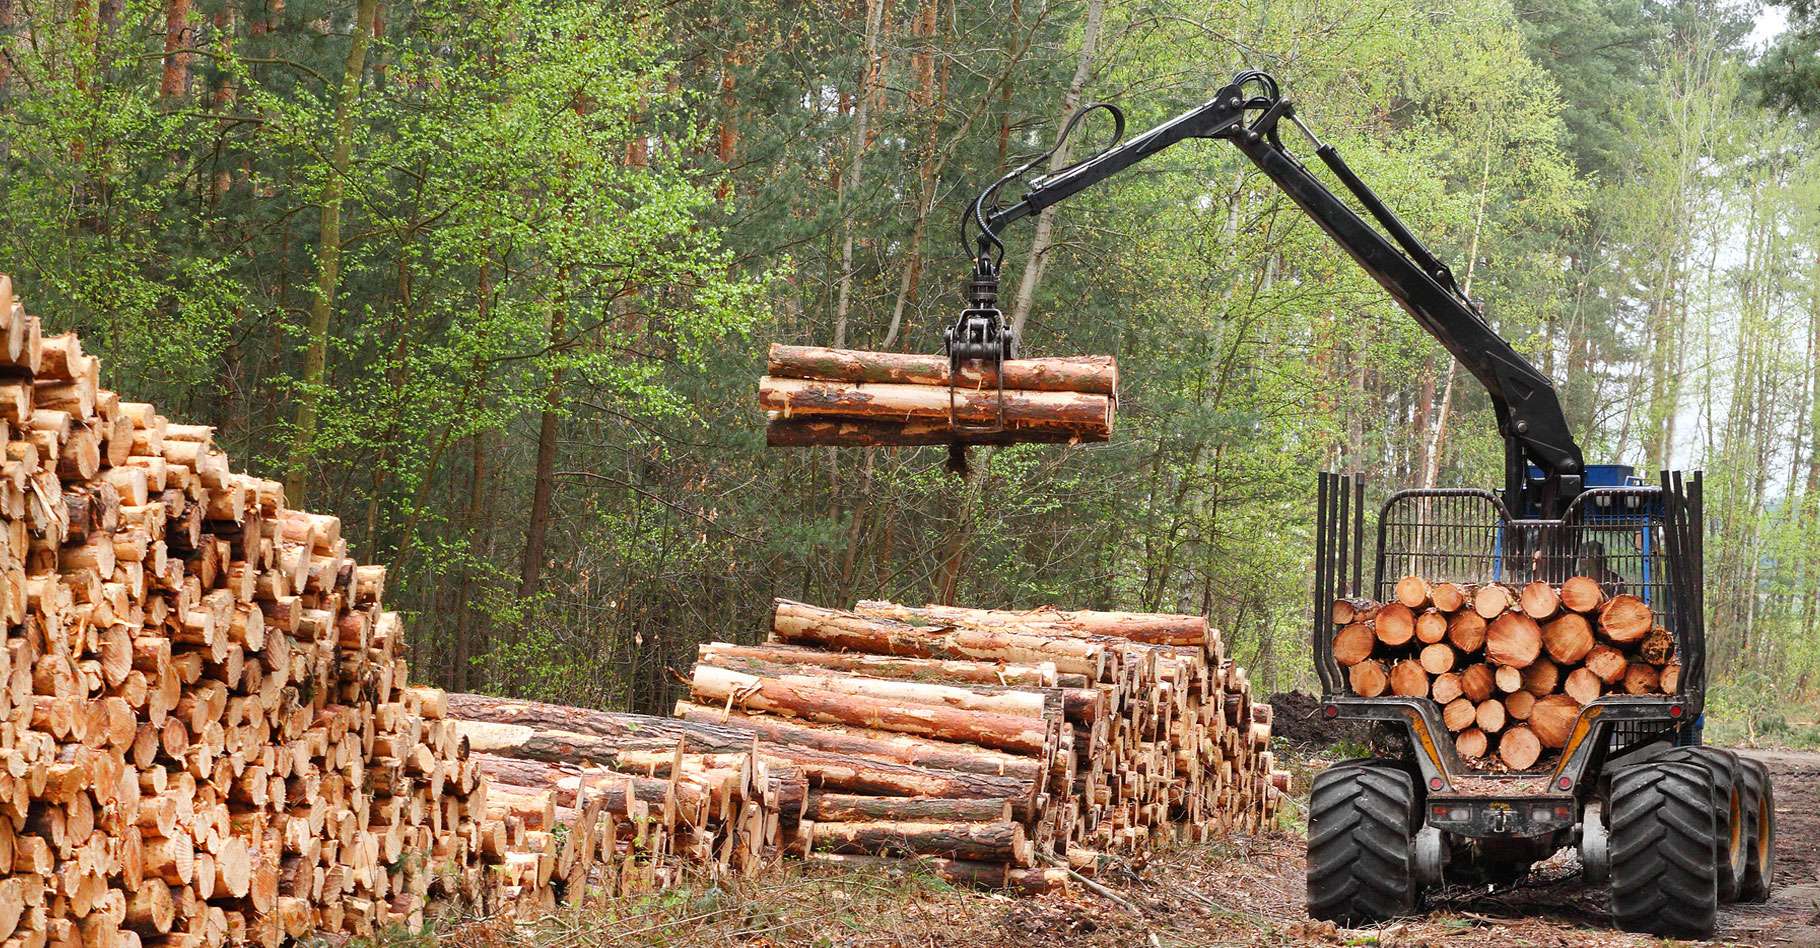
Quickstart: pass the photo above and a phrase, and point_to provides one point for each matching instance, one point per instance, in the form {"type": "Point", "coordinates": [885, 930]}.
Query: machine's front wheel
{"type": "Point", "coordinates": [1361, 829]}
{"type": "Point", "coordinates": [1760, 845]}
{"type": "Point", "coordinates": [1663, 840]}
{"type": "Point", "coordinates": [1732, 815]}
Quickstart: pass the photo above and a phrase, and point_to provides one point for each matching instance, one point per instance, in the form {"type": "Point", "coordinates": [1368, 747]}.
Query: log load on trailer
{"type": "Point", "coordinates": [1534, 657]}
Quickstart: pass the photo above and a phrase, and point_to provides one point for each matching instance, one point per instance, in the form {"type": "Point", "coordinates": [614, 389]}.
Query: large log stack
{"type": "Point", "coordinates": [995, 747]}
{"type": "Point", "coordinates": [1509, 667]}
{"type": "Point", "coordinates": [847, 397]}
{"type": "Point", "coordinates": [206, 726]}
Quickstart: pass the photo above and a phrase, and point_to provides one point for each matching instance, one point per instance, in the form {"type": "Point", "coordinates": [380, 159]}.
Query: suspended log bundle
{"type": "Point", "coordinates": [209, 733]}
{"type": "Point", "coordinates": [1509, 668]}
{"type": "Point", "coordinates": [851, 398]}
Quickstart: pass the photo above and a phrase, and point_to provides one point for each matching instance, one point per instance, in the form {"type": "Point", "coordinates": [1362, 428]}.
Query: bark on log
{"type": "Point", "coordinates": [1091, 415]}
{"type": "Point", "coordinates": [999, 731]}
{"type": "Point", "coordinates": [830, 431]}
{"type": "Point", "coordinates": [1148, 628]}
{"type": "Point", "coordinates": [1348, 611]}
{"type": "Point", "coordinates": [867, 742]}
{"type": "Point", "coordinates": [1090, 374]}
{"type": "Point", "coordinates": [1041, 674]}
{"type": "Point", "coordinates": [825, 807]}
{"type": "Point", "coordinates": [1002, 841]}
{"type": "Point", "coordinates": [834, 629]}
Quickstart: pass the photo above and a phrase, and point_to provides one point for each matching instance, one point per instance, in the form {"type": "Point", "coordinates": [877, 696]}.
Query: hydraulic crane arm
{"type": "Point", "coordinates": [1247, 113]}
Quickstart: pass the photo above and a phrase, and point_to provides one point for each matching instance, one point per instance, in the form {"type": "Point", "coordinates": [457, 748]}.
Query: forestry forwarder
{"type": "Point", "coordinates": [1673, 827]}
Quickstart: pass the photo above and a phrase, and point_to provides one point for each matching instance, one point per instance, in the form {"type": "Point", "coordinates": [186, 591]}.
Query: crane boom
{"type": "Point", "coordinates": [1247, 113]}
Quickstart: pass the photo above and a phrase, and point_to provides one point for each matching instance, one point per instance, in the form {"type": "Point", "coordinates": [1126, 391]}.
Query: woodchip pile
{"type": "Point", "coordinates": [998, 748]}
{"type": "Point", "coordinates": [847, 397]}
{"type": "Point", "coordinates": [1510, 668]}
{"type": "Point", "coordinates": [206, 730]}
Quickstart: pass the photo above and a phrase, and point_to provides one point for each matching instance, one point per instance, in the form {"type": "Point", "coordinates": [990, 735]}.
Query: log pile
{"type": "Point", "coordinates": [850, 398]}
{"type": "Point", "coordinates": [1510, 668]}
{"type": "Point", "coordinates": [205, 717]}
{"type": "Point", "coordinates": [999, 748]}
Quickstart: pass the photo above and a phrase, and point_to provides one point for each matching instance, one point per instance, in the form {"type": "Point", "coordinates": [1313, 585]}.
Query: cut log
{"type": "Point", "coordinates": [1438, 658]}
{"type": "Point", "coordinates": [1477, 681]}
{"type": "Point", "coordinates": [1489, 716]}
{"type": "Point", "coordinates": [1150, 628]}
{"type": "Point", "coordinates": [849, 631]}
{"type": "Point", "coordinates": [1657, 647]}
{"type": "Point", "coordinates": [1459, 714]}
{"type": "Point", "coordinates": [1041, 674]}
{"type": "Point", "coordinates": [1447, 597]}
{"type": "Point", "coordinates": [1491, 601]}
{"type": "Point", "coordinates": [1671, 678]}
{"type": "Point", "coordinates": [1412, 592]}
{"type": "Point", "coordinates": [1395, 624]}
{"type": "Point", "coordinates": [1553, 718]}
{"type": "Point", "coordinates": [1091, 374]}
{"type": "Point", "coordinates": [1513, 639]}
{"type": "Point", "coordinates": [1540, 600]}
{"type": "Point", "coordinates": [1519, 748]}
{"type": "Point", "coordinates": [1541, 677]}
{"type": "Point", "coordinates": [1348, 611]}
{"type": "Point", "coordinates": [1517, 704]}
{"type": "Point", "coordinates": [1582, 594]}
{"type": "Point", "coordinates": [1472, 743]}
{"type": "Point", "coordinates": [1002, 841]}
{"type": "Point", "coordinates": [1445, 688]}
{"type": "Point", "coordinates": [1354, 643]}
{"type": "Point", "coordinates": [1625, 620]}
{"type": "Point", "coordinates": [1583, 685]}
{"type": "Point", "coordinates": [1568, 638]}
{"type": "Point", "coordinates": [900, 748]}
{"type": "Point", "coordinates": [1466, 631]}
{"type": "Point", "coordinates": [1408, 679]}
{"type": "Point", "coordinates": [824, 807]}
{"type": "Point", "coordinates": [1509, 678]}
{"type": "Point", "coordinates": [1608, 663]}
{"type": "Point", "coordinates": [811, 431]}
{"type": "Point", "coordinates": [1642, 678]}
{"type": "Point", "coordinates": [1431, 626]}
{"type": "Point", "coordinates": [998, 731]}
{"type": "Point", "coordinates": [1368, 679]}
{"type": "Point", "coordinates": [1089, 415]}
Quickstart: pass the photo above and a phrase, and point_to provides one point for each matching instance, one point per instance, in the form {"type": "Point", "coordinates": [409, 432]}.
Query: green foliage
{"type": "Point", "coordinates": [570, 231]}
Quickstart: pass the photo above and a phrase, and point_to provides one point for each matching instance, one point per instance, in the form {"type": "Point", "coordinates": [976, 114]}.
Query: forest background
{"type": "Point", "coordinates": [493, 282]}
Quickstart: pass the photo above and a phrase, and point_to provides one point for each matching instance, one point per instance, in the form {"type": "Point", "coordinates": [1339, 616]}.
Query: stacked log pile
{"type": "Point", "coordinates": [206, 725]}
{"type": "Point", "coordinates": [845, 397]}
{"type": "Point", "coordinates": [998, 748]}
{"type": "Point", "coordinates": [1050, 734]}
{"type": "Point", "coordinates": [1510, 668]}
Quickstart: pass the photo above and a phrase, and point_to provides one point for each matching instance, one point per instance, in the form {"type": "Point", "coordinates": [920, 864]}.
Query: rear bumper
{"type": "Point", "coordinates": [1483, 817]}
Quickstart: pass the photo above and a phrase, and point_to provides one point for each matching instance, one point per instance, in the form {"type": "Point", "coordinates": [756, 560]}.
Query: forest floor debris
{"type": "Point", "coordinates": [1244, 890]}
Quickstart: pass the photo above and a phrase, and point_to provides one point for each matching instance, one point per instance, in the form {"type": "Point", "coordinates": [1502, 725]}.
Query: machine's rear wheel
{"type": "Point", "coordinates": [1361, 828]}
{"type": "Point", "coordinates": [1732, 816]}
{"type": "Point", "coordinates": [1663, 839]}
{"type": "Point", "coordinates": [1760, 844]}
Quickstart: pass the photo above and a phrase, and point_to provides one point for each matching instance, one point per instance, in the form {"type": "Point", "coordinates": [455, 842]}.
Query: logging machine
{"type": "Point", "coordinates": [1673, 827]}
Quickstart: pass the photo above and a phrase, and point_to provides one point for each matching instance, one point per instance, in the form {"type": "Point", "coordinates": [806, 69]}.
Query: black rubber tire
{"type": "Point", "coordinates": [1663, 877]}
{"type": "Point", "coordinates": [1760, 845]}
{"type": "Point", "coordinates": [1732, 824]}
{"type": "Point", "coordinates": [1361, 858]}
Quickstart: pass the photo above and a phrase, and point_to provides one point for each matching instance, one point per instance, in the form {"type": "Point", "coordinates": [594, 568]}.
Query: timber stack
{"type": "Point", "coordinates": [1510, 668]}
{"type": "Point", "coordinates": [1003, 749]}
{"type": "Point", "coordinates": [851, 398]}
{"type": "Point", "coordinates": [206, 724]}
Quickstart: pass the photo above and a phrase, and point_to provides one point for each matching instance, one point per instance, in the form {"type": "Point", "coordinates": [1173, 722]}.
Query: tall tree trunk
{"type": "Point", "coordinates": [850, 182]}
{"type": "Point", "coordinates": [537, 525]}
{"type": "Point", "coordinates": [929, 101]}
{"type": "Point", "coordinates": [1438, 443]}
{"type": "Point", "coordinates": [1041, 239]}
{"type": "Point", "coordinates": [176, 78]}
{"type": "Point", "coordinates": [328, 257]}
